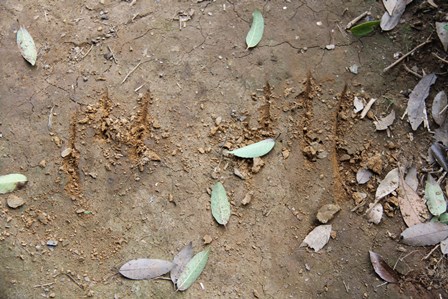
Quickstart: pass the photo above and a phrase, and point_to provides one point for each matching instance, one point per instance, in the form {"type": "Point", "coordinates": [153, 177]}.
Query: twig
{"type": "Point", "coordinates": [50, 119]}
{"type": "Point", "coordinates": [71, 277]}
{"type": "Point", "coordinates": [133, 70]}
{"type": "Point", "coordinates": [429, 254]}
{"type": "Point", "coordinates": [113, 55]}
{"type": "Point", "coordinates": [43, 285]}
{"type": "Point", "coordinates": [438, 57]}
{"type": "Point", "coordinates": [356, 20]}
{"type": "Point", "coordinates": [400, 259]}
{"type": "Point", "coordinates": [427, 41]}
{"type": "Point", "coordinates": [443, 110]}
{"type": "Point", "coordinates": [367, 108]}
{"type": "Point", "coordinates": [138, 88]}
{"type": "Point", "coordinates": [91, 46]}
{"type": "Point", "coordinates": [411, 71]}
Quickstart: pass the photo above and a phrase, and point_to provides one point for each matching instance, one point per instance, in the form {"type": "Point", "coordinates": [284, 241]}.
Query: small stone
{"type": "Point", "coordinates": [327, 212]}
{"type": "Point", "coordinates": [52, 243]}
{"type": "Point", "coordinates": [201, 150]}
{"type": "Point", "coordinates": [207, 239]}
{"type": "Point", "coordinates": [80, 211]}
{"type": "Point", "coordinates": [333, 234]}
{"type": "Point", "coordinates": [218, 120]}
{"type": "Point", "coordinates": [52, 295]}
{"type": "Point", "coordinates": [258, 164]}
{"type": "Point", "coordinates": [344, 157]}
{"type": "Point", "coordinates": [247, 199]}
{"type": "Point", "coordinates": [375, 164]}
{"type": "Point", "coordinates": [14, 201]}
{"type": "Point", "coordinates": [285, 153]}
{"type": "Point", "coordinates": [255, 292]}
{"type": "Point", "coordinates": [66, 152]}
{"type": "Point", "coordinates": [100, 28]}
{"type": "Point", "coordinates": [43, 164]}
{"type": "Point", "coordinates": [238, 173]}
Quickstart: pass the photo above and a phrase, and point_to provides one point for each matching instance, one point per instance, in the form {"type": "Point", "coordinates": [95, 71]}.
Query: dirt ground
{"type": "Point", "coordinates": [147, 109]}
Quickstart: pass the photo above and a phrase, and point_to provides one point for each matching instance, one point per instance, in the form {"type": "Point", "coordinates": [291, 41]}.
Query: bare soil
{"type": "Point", "coordinates": [147, 110]}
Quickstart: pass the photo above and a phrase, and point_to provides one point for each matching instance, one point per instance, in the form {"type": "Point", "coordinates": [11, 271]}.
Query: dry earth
{"type": "Point", "coordinates": [147, 108]}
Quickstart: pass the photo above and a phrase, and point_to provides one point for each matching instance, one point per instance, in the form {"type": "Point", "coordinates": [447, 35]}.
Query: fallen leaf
{"type": "Point", "coordinates": [318, 237]}
{"type": "Point", "coordinates": [389, 21]}
{"type": "Point", "coordinates": [411, 178]}
{"type": "Point", "coordinates": [26, 45]}
{"type": "Point", "coordinates": [358, 104]}
{"type": "Point", "coordinates": [441, 134]}
{"type": "Point", "coordinates": [439, 104]}
{"type": "Point", "coordinates": [438, 153]}
{"type": "Point", "coordinates": [363, 175]}
{"type": "Point", "coordinates": [192, 270]}
{"type": "Point", "coordinates": [180, 261]}
{"type": "Point", "coordinates": [416, 102]}
{"type": "Point", "coordinates": [145, 268]}
{"type": "Point", "coordinates": [364, 28]}
{"type": "Point", "coordinates": [434, 197]}
{"type": "Point", "coordinates": [11, 182]}
{"type": "Point", "coordinates": [220, 204]}
{"type": "Point", "coordinates": [412, 207]}
{"type": "Point", "coordinates": [389, 5]}
{"type": "Point", "coordinates": [442, 33]}
{"type": "Point", "coordinates": [444, 246]}
{"type": "Point", "coordinates": [255, 150]}
{"type": "Point", "coordinates": [388, 184]}
{"type": "Point", "coordinates": [385, 122]}
{"type": "Point", "coordinates": [383, 269]}
{"type": "Point", "coordinates": [256, 30]}
{"type": "Point", "coordinates": [375, 213]}
{"type": "Point", "coordinates": [443, 218]}
{"type": "Point", "coordinates": [424, 234]}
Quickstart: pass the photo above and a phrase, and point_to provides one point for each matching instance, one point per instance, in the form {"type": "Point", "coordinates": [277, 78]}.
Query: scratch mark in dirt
{"type": "Point", "coordinates": [71, 162]}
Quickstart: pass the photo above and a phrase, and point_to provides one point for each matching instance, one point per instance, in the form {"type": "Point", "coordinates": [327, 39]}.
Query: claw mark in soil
{"type": "Point", "coordinates": [71, 162]}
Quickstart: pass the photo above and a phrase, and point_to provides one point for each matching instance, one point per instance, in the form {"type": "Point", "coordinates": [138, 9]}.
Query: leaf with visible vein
{"type": "Point", "coordinates": [364, 28]}
{"type": "Point", "coordinates": [26, 45]}
{"type": "Point", "coordinates": [256, 30]}
{"type": "Point", "coordinates": [220, 204]}
{"type": "Point", "coordinates": [255, 150]}
{"type": "Point", "coordinates": [180, 261]}
{"type": "Point", "coordinates": [192, 270]}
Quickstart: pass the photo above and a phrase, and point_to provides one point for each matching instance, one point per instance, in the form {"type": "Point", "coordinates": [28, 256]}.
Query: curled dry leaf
{"type": "Point", "coordinates": [438, 109]}
{"type": "Point", "coordinates": [411, 178]}
{"type": "Point", "coordinates": [425, 234]}
{"type": "Point", "coordinates": [416, 102]}
{"type": "Point", "coordinates": [180, 261]}
{"type": "Point", "coordinates": [388, 184]}
{"type": "Point", "coordinates": [389, 21]}
{"type": "Point", "coordinates": [145, 268]}
{"type": "Point", "coordinates": [358, 104]}
{"type": "Point", "coordinates": [363, 175]}
{"type": "Point", "coordinates": [383, 269]}
{"type": "Point", "coordinates": [318, 237]}
{"type": "Point", "coordinates": [385, 122]}
{"type": "Point", "coordinates": [434, 197]}
{"type": "Point", "coordinates": [412, 207]}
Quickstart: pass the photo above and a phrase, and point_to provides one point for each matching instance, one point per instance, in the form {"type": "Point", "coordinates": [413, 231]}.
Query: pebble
{"type": "Point", "coordinates": [207, 239]}
{"type": "Point", "coordinates": [52, 243]}
{"type": "Point", "coordinates": [14, 202]}
{"type": "Point", "coordinates": [327, 212]}
{"type": "Point", "coordinates": [247, 199]}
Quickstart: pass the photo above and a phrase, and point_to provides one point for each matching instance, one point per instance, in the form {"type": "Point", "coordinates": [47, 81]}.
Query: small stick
{"type": "Point", "coordinates": [438, 57]}
{"type": "Point", "coordinates": [50, 119]}
{"type": "Point", "coordinates": [113, 55]}
{"type": "Point", "coordinates": [427, 41]}
{"type": "Point", "coordinates": [356, 20]}
{"type": "Point", "coordinates": [443, 110]}
{"type": "Point", "coordinates": [43, 285]}
{"type": "Point", "coordinates": [138, 88]}
{"type": "Point", "coordinates": [133, 70]}
{"type": "Point", "coordinates": [91, 46]}
{"type": "Point", "coordinates": [367, 108]}
{"type": "Point", "coordinates": [411, 71]}
{"type": "Point", "coordinates": [429, 254]}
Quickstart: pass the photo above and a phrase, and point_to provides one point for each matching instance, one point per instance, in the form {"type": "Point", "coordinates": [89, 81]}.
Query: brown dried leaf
{"type": "Point", "coordinates": [412, 207]}
{"type": "Point", "coordinates": [383, 269]}
{"type": "Point", "coordinates": [424, 234]}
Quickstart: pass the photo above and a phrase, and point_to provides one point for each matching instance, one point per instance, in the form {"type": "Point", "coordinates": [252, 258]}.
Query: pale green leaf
{"type": "Point", "coordinates": [434, 197]}
{"type": "Point", "coordinates": [192, 270]}
{"type": "Point", "coordinates": [220, 204]}
{"type": "Point", "coordinates": [26, 45]}
{"type": "Point", "coordinates": [255, 150]}
{"type": "Point", "coordinates": [256, 30]}
{"type": "Point", "coordinates": [444, 218]}
{"type": "Point", "coordinates": [11, 182]}
{"type": "Point", "coordinates": [364, 28]}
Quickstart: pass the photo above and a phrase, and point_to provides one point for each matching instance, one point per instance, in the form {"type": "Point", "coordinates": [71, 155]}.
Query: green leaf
{"type": "Point", "coordinates": [255, 150]}
{"type": "Point", "coordinates": [434, 197]}
{"type": "Point", "coordinates": [11, 182]}
{"type": "Point", "coordinates": [256, 29]}
{"type": "Point", "coordinates": [192, 270]}
{"type": "Point", "coordinates": [364, 28]}
{"type": "Point", "coordinates": [220, 204]}
{"type": "Point", "coordinates": [26, 45]}
{"type": "Point", "coordinates": [444, 218]}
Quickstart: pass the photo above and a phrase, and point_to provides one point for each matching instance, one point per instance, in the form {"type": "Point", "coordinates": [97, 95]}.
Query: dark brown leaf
{"type": "Point", "coordinates": [383, 269]}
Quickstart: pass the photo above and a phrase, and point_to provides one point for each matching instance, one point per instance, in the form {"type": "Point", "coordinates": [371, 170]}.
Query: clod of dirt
{"type": "Point", "coordinates": [310, 152]}
{"type": "Point", "coordinates": [43, 164]}
{"type": "Point", "coordinates": [66, 152]}
{"type": "Point", "coordinates": [14, 201]}
{"type": "Point", "coordinates": [258, 164]}
{"type": "Point", "coordinates": [375, 164]}
{"type": "Point", "coordinates": [207, 239]}
{"type": "Point", "coordinates": [285, 153]}
{"type": "Point", "coordinates": [327, 212]}
{"type": "Point", "coordinates": [247, 199]}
